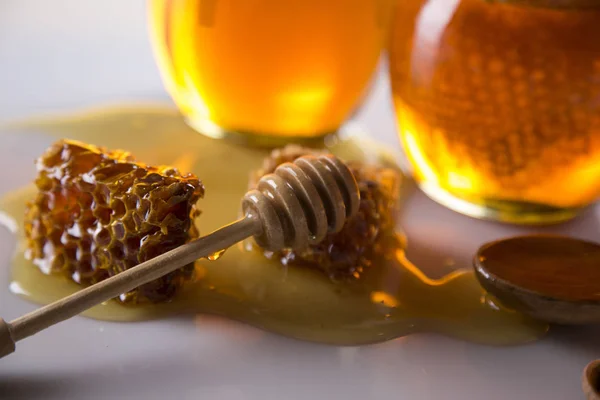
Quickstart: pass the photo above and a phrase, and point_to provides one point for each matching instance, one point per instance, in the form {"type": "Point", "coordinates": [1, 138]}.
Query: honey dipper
{"type": "Point", "coordinates": [293, 207]}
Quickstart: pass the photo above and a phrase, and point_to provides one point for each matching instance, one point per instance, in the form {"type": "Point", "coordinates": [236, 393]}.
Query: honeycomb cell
{"type": "Point", "coordinates": [345, 255]}
{"type": "Point", "coordinates": [99, 212]}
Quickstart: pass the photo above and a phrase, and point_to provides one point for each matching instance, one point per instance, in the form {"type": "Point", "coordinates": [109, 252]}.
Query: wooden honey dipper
{"type": "Point", "coordinates": [293, 207]}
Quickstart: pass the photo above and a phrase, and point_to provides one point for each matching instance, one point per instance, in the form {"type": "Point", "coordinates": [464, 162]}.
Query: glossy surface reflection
{"type": "Point", "coordinates": [392, 299]}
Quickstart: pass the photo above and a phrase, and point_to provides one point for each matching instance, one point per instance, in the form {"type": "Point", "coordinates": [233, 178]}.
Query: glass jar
{"type": "Point", "coordinates": [263, 70]}
{"type": "Point", "coordinates": [498, 104]}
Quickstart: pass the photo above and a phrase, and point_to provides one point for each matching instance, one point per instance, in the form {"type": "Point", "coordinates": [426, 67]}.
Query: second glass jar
{"type": "Point", "coordinates": [498, 104]}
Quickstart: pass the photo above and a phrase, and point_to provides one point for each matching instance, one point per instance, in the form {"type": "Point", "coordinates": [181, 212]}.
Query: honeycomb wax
{"type": "Point", "coordinates": [97, 213]}
{"type": "Point", "coordinates": [347, 253]}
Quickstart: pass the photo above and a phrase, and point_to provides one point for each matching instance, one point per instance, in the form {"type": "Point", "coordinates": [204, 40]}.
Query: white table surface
{"type": "Point", "coordinates": [71, 54]}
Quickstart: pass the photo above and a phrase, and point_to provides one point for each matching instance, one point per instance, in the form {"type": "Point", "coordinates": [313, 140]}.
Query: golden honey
{"type": "Point", "coordinates": [498, 104]}
{"type": "Point", "coordinates": [294, 68]}
{"type": "Point", "coordinates": [391, 298]}
{"type": "Point", "coordinates": [97, 213]}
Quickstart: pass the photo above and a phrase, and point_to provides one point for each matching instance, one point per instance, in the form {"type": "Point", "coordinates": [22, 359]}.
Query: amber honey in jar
{"type": "Point", "coordinates": [498, 104]}
{"type": "Point", "coordinates": [268, 69]}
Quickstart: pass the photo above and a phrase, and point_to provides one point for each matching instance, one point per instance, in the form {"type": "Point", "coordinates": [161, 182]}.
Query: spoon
{"type": "Point", "coordinates": [551, 278]}
{"type": "Point", "coordinates": [294, 207]}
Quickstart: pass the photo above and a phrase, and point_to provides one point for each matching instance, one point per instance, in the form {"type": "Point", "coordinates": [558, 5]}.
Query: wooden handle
{"type": "Point", "coordinates": [295, 206]}
{"type": "Point", "coordinates": [60, 310]}
{"type": "Point", "coordinates": [7, 343]}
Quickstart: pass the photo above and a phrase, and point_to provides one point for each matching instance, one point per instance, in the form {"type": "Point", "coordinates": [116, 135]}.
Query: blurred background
{"type": "Point", "coordinates": [73, 54]}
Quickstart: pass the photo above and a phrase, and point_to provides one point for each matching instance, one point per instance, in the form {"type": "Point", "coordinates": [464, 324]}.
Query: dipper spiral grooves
{"type": "Point", "coordinates": [302, 201]}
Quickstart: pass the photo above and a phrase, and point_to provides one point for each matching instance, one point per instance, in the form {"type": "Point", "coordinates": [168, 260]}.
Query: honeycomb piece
{"type": "Point", "coordinates": [99, 212]}
{"type": "Point", "coordinates": [347, 253]}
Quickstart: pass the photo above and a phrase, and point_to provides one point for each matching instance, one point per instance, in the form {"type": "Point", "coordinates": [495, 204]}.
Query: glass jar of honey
{"type": "Point", "coordinates": [498, 104]}
{"type": "Point", "coordinates": [263, 70]}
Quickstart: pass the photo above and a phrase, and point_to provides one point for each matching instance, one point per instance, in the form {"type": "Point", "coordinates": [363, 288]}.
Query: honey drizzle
{"type": "Point", "coordinates": [392, 299]}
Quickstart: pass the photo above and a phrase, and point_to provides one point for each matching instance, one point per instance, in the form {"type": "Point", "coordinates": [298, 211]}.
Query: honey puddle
{"type": "Point", "coordinates": [392, 299]}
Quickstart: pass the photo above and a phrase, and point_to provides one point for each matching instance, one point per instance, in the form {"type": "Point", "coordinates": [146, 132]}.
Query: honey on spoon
{"type": "Point", "coordinates": [551, 278]}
